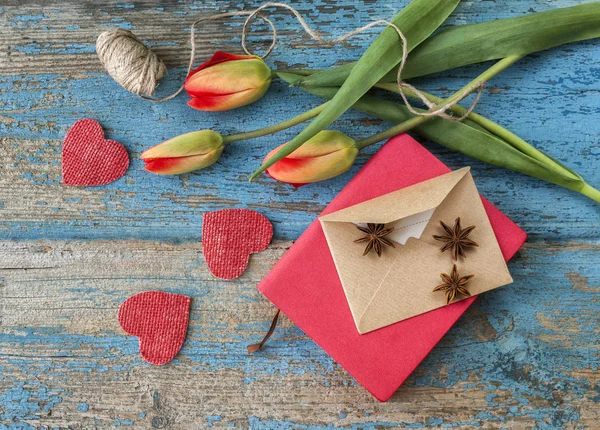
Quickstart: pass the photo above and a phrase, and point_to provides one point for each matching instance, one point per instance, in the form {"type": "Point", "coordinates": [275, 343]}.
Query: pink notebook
{"type": "Point", "coordinates": [305, 285]}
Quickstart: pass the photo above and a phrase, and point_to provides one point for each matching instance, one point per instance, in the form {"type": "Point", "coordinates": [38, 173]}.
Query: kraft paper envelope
{"type": "Point", "coordinates": [399, 284]}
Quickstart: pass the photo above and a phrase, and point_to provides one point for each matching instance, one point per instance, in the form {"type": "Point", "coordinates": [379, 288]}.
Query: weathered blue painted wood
{"type": "Point", "coordinates": [523, 356]}
{"type": "Point", "coordinates": [550, 100]}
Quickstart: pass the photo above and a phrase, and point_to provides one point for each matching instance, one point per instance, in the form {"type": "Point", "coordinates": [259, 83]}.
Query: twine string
{"type": "Point", "coordinates": [193, 45]}
{"type": "Point", "coordinates": [148, 74]}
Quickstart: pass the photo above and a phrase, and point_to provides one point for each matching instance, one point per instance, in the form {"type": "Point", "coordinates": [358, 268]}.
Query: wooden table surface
{"type": "Point", "coordinates": [524, 356]}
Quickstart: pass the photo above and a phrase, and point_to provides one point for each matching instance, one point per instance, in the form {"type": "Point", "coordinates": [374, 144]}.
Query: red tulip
{"type": "Point", "coordinates": [227, 81]}
{"type": "Point", "coordinates": [328, 154]}
{"type": "Point", "coordinates": [182, 154]}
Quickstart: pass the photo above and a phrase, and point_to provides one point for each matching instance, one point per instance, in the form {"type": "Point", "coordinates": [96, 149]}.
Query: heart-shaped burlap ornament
{"type": "Point", "coordinates": [88, 159]}
{"type": "Point", "coordinates": [159, 320]}
{"type": "Point", "coordinates": [229, 236]}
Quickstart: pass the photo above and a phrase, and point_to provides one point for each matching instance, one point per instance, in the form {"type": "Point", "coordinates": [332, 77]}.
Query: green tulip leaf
{"type": "Point", "coordinates": [475, 43]}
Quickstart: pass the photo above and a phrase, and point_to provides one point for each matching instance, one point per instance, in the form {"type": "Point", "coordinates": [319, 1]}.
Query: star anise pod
{"type": "Point", "coordinates": [375, 237]}
{"type": "Point", "coordinates": [453, 285]}
{"type": "Point", "coordinates": [456, 239]}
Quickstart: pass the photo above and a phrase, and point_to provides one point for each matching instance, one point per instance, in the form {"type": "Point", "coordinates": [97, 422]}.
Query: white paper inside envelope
{"type": "Point", "coordinates": [405, 228]}
{"type": "Point", "coordinates": [399, 284]}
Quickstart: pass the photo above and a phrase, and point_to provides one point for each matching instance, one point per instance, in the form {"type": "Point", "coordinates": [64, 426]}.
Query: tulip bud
{"type": "Point", "coordinates": [182, 154]}
{"type": "Point", "coordinates": [227, 81]}
{"type": "Point", "coordinates": [329, 153]}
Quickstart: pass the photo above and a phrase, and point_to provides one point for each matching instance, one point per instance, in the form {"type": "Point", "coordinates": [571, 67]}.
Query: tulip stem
{"type": "Point", "coordinates": [302, 72]}
{"type": "Point", "coordinates": [275, 128]}
{"type": "Point", "coordinates": [486, 123]}
{"type": "Point", "coordinates": [591, 192]}
{"type": "Point", "coordinates": [418, 120]}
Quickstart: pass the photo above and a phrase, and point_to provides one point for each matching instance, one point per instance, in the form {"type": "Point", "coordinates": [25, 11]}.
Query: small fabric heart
{"type": "Point", "coordinates": [88, 159]}
{"type": "Point", "coordinates": [229, 236]}
{"type": "Point", "coordinates": [159, 320]}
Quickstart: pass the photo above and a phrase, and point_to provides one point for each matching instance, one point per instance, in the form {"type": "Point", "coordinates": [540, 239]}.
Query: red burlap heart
{"type": "Point", "coordinates": [88, 159]}
{"type": "Point", "coordinates": [159, 320]}
{"type": "Point", "coordinates": [229, 236]}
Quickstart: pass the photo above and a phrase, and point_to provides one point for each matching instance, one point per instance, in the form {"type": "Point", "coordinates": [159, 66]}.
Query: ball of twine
{"type": "Point", "coordinates": [129, 62]}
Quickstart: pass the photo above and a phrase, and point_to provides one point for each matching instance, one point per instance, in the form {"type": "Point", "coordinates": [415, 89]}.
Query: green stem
{"type": "Point", "coordinates": [508, 136]}
{"type": "Point", "coordinates": [591, 192]}
{"type": "Point", "coordinates": [418, 120]}
{"type": "Point", "coordinates": [391, 132]}
{"type": "Point", "coordinates": [488, 124]}
{"type": "Point", "coordinates": [275, 128]}
{"type": "Point", "coordinates": [302, 72]}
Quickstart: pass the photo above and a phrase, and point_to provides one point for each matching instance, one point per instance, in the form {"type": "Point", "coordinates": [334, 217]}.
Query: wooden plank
{"type": "Point", "coordinates": [50, 77]}
{"type": "Point", "coordinates": [522, 356]}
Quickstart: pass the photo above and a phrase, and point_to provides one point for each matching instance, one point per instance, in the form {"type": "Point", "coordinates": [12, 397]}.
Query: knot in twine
{"type": "Point", "coordinates": [129, 62]}
{"type": "Point", "coordinates": [137, 69]}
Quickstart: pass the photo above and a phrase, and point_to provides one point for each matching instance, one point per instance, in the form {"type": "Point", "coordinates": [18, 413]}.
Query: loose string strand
{"type": "Point", "coordinates": [193, 46]}
{"type": "Point", "coordinates": [152, 68]}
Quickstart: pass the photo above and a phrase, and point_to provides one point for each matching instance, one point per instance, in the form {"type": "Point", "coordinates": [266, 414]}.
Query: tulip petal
{"type": "Point", "coordinates": [293, 184]}
{"type": "Point", "coordinates": [229, 101]}
{"type": "Point", "coordinates": [228, 81]}
{"type": "Point", "coordinates": [194, 143]}
{"type": "Point", "coordinates": [179, 165]}
{"type": "Point", "coordinates": [323, 143]}
{"type": "Point", "coordinates": [220, 57]}
{"type": "Point", "coordinates": [228, 77]}
{"type": "Point", "coordinates": [307, 170]}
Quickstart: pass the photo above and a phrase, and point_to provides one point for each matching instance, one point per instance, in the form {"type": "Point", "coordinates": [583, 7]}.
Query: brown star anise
{"type": "Point", "coordinates": [375, 237]}
{"type": "Point", "coordinates": [453, 285]}
{"type": "Point", "coordinates": [456, 239]}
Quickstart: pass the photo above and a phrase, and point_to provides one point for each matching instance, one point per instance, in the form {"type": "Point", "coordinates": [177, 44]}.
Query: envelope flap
{"type": "Point", "coordinates": [399, 204]}
{"type": "Point", "coordinates": [406, 290]}
{"type": "Point", "coordinates": [359, 274]}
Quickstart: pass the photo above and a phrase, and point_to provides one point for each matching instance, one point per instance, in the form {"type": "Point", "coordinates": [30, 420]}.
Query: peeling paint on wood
{"type": "Point", "coordinates": [524, 356]}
